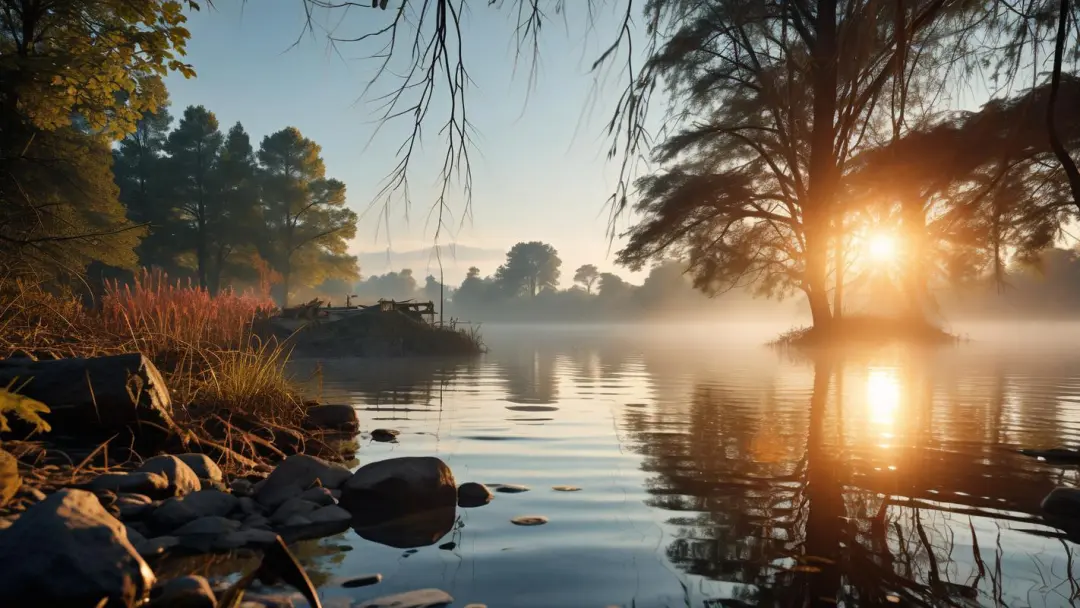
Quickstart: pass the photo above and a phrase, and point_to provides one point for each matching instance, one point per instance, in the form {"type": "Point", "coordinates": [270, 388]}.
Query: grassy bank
{"type": "Point", "coordinates": [866, 330]}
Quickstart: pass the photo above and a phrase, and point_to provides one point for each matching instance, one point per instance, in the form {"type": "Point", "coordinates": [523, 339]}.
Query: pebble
{"type": "Point", "coordinates": [362, 581]}
{"type": "Point", "coordinates": [421, 598]}
{"type": "Point", "coordinates": [448, 546]}
{"type": "Point", "coordinates": [529, 520]}
{"type": "Point", "coordinates": [566, 488]}
{"type": "Point", "coordinates": [385, 434]}
{"type": "Point", "coordinates": [509, 488]}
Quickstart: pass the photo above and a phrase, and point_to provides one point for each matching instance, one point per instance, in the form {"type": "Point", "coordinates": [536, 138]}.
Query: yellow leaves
{"type": "Point", "coordinates": [24, 408]}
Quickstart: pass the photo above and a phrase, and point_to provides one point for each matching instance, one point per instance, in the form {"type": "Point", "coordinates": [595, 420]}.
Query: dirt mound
{"type": "Point", "coordinates": [381, 334]}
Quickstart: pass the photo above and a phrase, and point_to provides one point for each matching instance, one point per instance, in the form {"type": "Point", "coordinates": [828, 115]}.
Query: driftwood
{"type": "Point", "coordinates": [96, 396]}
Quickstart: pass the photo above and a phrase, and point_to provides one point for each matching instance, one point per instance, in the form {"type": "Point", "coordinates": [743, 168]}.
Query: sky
{"type": "Point", "coordinates": [539, 163]}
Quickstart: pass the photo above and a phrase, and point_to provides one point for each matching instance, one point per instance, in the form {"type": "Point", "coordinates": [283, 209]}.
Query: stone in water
{"type": "Point", "coordinates": [529, 520]}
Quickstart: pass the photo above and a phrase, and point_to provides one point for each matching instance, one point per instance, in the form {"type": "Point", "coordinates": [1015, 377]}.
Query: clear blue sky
{"type": "Point", "coordinates": [540, 171]}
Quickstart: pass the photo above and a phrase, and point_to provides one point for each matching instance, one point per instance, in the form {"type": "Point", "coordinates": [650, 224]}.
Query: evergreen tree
{"type": "Point", "coordinates": [236, 222]}
{"type": "Point", "coordinates": [139, 168]}
{"type": "Point", "coordinates": [307, 221]}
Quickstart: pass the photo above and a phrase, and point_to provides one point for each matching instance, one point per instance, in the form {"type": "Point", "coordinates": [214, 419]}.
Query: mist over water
{"type": "Point", "coordinates": [713, 468]}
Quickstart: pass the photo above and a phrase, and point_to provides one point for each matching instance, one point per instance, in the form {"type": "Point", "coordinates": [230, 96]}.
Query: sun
{"type": "Point", "coordinates": [882, 247]}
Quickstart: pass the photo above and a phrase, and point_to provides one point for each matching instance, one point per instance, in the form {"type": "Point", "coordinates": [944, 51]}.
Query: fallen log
{"type": "Point", "coordinates": [98, 396]}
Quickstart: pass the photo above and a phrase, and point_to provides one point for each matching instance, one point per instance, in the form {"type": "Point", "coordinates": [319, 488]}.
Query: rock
{"type": "Point", "coordinates": [450, 546]}
{"type": "Point", "coordinates": [67, 551]}
{"type": "Point", "coordinates": [98, 397]}
{"type": "Point", "coordinates": [325, 521]}
{"type": "Point", "coordinates": [179, 510]}
{"type": "Point", "coordinates": [182, 480]}
{"type": "Point", "coordinates": [150, 484]}
{"type": "Point", "coordinates": [291, 507]}
{"type": "Point", "coordinates": [203, 466]}
{"type": "Point", "coordinates": [10, 481]}
{"type": "Point", "coordinates": [258, 600]}
{"type": "Point", "coordinates": [509, 488]}
{"type": "Point", "coordinates": [472, 494]}
{"type": "Point", "coordinates": [320, 496]}
{"type": "Point", "coordinates": [133, 506]}
{"type": "Point", "coordinates": [414, 530]}
{"type": "Point", "coordinates": [31, 494]}
{"type": "Point", "coordinates": [333, 417]}
{"type": "Point", "coordinates": [256, 521]}
{"type": "Point", "coordinates": [7, 521]}
{"type": "Point", "coordinates": [399, 486]}
{"type": "Point", "coordinates": [249, 538]}
{"type": "Point", "coordinates": [242, 487]}
{"type": "Point", "coordinates": [330, 514]}
{"type": "Point", "coordinates": [566, 488]}
{"type": "Point", "coordinates": [134, 537]}
{"type": "Point", "coordinates": [213, 524]}
{"type": "Point", "coordinates": [295, 474]}
{"type": "Point", "coordinates": [247, 506]}
{"type": "Point", "coordinates": [296, 522]}
{"type": "Point", "coordinates": [183, 592]}
{"type": "Point", "coordinates": [421, 598]}
{"type": "Point", "coordinates": [362, 581]}
{"type": "Point", "coordinates": [157, 546]}
{"type": "Point", "coordinates": [385, 434]}
{"type": "Point", "coordinates": [529, 520]}
{"type": "Point", "coordinates": [1062, 502]}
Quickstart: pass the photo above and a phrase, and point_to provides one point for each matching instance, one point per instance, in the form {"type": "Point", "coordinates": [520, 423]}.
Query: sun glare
{"type": "Point", "coordinates": [882, 247]}
{"type": "Point", "coordinates": [883, 396]}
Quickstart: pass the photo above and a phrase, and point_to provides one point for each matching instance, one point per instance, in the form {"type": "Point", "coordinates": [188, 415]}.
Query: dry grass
{"type": "Point", "coordinates": [204, 346]}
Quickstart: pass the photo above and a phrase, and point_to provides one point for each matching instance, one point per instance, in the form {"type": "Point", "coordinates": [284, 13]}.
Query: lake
{"type": "Point", "coordinates": [714, 471]}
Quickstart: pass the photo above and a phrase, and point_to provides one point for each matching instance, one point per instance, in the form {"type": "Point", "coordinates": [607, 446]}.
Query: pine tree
{"type": "Point", "coordinates": [308, 224]}
{"type": "Point", "coordinates": [139, 168]}
{"type": "Point", "coordinates": [235, 219]}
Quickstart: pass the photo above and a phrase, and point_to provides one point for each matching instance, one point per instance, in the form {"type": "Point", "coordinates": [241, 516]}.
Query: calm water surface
{"type": "Point", "coordinates": [716, 472]}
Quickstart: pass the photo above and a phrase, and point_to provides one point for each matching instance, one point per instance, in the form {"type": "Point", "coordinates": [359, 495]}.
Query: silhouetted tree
{"type": "Point", "coordinates": [529, 268]}
{"type": "Point", "coordinates": [586, 274]}
{"type": "Point", "coordinates": [193, 156]}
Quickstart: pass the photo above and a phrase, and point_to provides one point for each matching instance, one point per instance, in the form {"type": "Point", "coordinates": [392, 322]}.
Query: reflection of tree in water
{"type": "Point", "coordinates": [804, 503]}
{"type": "Point", "coordinates": [395, 382]}
{"type": "Point", "coordinates": [530, 375]}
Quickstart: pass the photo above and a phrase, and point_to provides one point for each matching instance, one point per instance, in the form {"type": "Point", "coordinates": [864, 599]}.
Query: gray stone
{"type": "Point", "coordinates": [421, 598]}
{"type": "Point", "coordinates": [297, 521]}
{"type": "Point", "coordinates": [385, 435]}
{"type": "Point", "coordinates": [134, 506]}
{"type": "Point", "coordinates": [212, 524]}
{"type": "Point", "coordinates": [291, 507]}
{"type": "Point", "coordinates": [182, 480]}
{"type": "Point", "coordinates": [203, 466]}
{"type": "Point", "coordinates": [401, 486]}
{"type": "Point", "coordinates": [134, 537]}
{"type": "Point", "coordinates": [147, 483]}
{"type": "Point", "coordinates": [509, 488]}
{"type": "Point", "coordinates": [10, 481]}
{"type": "Point", "coordinates": [68, 551]}
{"type": "Point", "coordinates": [157, 546]}
{"type": "Point", "coordinates": [318, 495]}
{"type": "Point", "coordinates": [248, 538]}
{"type": "Point", "coordinates": [362, 581]}
{"type": "Point", "coordinates": [529, 520]}
{"type": "Point", "coordinates": [256, 522]}
{"type": "Point", "coordinates": [296, 474]}
{"type": "Point", "coordinates": [330, 514]}
{"type": "Point", "coordinates": [334, 417]}
{"type": "Point", "coordinates": [472, 494]}
{"type": "Point", "coordinates": [247, 506]}
{"type": "Point", "coordinates": [183, 592]}
{"type": "Point", "coordinates": [242, 487]}
{"type": "Point", "coordinates": [179, 510]}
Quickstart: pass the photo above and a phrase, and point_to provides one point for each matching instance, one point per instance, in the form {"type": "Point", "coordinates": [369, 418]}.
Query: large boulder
{"type": "Point", "coordinates": [97, 397]}
{"type": "Point", "coordinates": [203, 466]}
{"type": "Point", "coordinates": [67, 551]}
{"type": "Point", "coordinates": [177, 511]}
{"type": "Point", "coordinates": [332, 417]}
{"type": "Point", "coordinates": [295, 474]}
{"type": "Point", "coordinates": [399, 486]}
{"type": "Point", "coordinates": [182, 480]}
{"type": "Point", "coordinates": [10, 481]}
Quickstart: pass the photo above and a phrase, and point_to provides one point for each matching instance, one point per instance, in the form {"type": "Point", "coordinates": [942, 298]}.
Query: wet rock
{"type": "Point", "coordinates": [67, 551]}
{"type": "Point", "coordinates": [182, 480]}
{"type": "Point", "coordinates": [242, 487]}
{"type": "Point", "coordinates": [472, 494]}
{"type": "Point", "coordinates": [133, 506]}
{"type": "Point", "coordinates": [320, 496]}
{"type": "Point", "coordinates": [325, 521]}
{"type": "Point", "coordinates": [203, 466]}
{"type": "Point", "coordinates": [333, 417]}
{"type": "Point", "coordinates": [179, 510]}
{"type": "Point", "coordinates": [400, 486]}
{"type": "Point", "coordinates": [450, 546]}
{"type": "Point", "coordinates": [566, 488]}
{"type": "Point", "coordinates": [295, 474]}
{"type": "Point", "coordinates": [149, 484]}
{"type": "Point", "coordinates": [183, 592]}
{"type": "Point", "coordinates": [421, 598]}
{"type": "Point", "coordinates": [1054, 455]}
{"type": "Point", "coordinates": [248, 538]}
{"type": "Point", "coordinates": [385, 434]}
{"type": "Point", "coordinates": [157, 546]}
{"type": "Point", "coordinates": [1062, 502]}
{"type": "Point", "coordinates": [213, 525]}
{"type": "Point", "coordinates": [529, 520]}
{"type": "Point", "coordinates": [509, 488]}
{"type": "Point", "coordinates": [98, 397]}
{"type": "Point", "coordinates": [291, 507]}
{"type": "Point", "coordinates": [362, 581]}
{"type": "Point", "coordinates": [10, 481]}
{"type": "Point", "coordinates": [330, 514]}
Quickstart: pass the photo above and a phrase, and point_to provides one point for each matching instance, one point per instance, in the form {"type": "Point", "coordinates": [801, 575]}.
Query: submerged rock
{"type": "Point", "coordinates": [334, 417]}
{"type": "Point", "coordinates": [400, 486]}
{"type": "Point", "coordinates": [421, 598]}
{"type": "Point", "coordinates": [295, 474]}
{"type": "Point", "coordinates": [10, 481]}
{"type": "Point", "coordinates": [182, 480]}
{"type": "Point", "coordinates": [472, 494]}
{"type": "Point", "coordinates": [67, 551]}
{"type": "Point", "coordinates": [183, 592]}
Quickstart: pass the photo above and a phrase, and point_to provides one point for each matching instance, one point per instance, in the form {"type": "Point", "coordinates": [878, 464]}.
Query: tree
{"type": "Point", "coordinates": [237, 222]}
{"type": "Point", "coordinates": [74, 77]}
{"type": "Point", "coordinates": [308, 222]}
{"type": "Point", "coordinates": [586, 274]}
{"type": "Point", "coordinates": [529, 268]}
{"type": "Point", "coordinates": [194, 147]}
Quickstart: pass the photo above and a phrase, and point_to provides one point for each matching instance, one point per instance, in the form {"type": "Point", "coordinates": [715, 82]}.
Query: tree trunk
{"type": "Point", "coordinates": [1060, 152]}
{"type": "Point", "coordinates": [824, 498]}
{"type": "Point", "coordinates": [838, 262]}
{"type": "Point", "coordinates": [285, 284]}
{"type": "Point", "coordinates": [200, 246]}
{"type": "Point", "coordinates": [822, 169]}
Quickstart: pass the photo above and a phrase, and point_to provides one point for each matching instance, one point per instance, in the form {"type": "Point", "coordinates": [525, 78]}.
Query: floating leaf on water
{"type": "Point", "coordinates": [529, 520]}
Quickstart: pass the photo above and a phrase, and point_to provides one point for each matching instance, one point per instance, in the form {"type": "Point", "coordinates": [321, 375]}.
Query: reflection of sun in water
{"type": "Point", "coordinates": [881, 247]}
{"type": "Point", "coordinates": [883, 396]}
